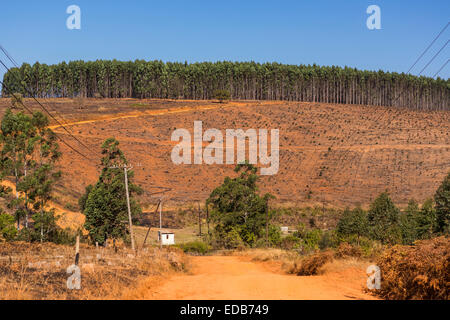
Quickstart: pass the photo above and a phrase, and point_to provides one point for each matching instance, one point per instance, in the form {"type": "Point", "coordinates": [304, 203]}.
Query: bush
{"type": "Point", "coordinates": [416, 272]}
{"type": "Point", "coordinates": [329, 239]}
{"type": "Point", "coordinates": [221, 239]}
{"type": "Point", "coordinates": [346, 250]}
{"type": "Point", "coordinates": [7, 229]}
{"type": "Point", "coordinates": [274, 235]}
{"type": "Point", "coordinates": [290, 242]}
{"type": "Point", "coordinates": [195, 247]}
{"type": "Point", "coordinates": [312, 239]}
{"type": "Point", "coordinates": [222, 95]}
{"type": "Point", "coordinates": [311, 265]}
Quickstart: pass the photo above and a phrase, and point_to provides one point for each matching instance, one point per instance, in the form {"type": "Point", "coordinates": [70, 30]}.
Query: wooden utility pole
{"type": "Point", "coordinates": [149, 227]}
{"type": "Point", "coordinates": [77, 250]}
{"type": "Point", "coordinates": [160, 223]}
{"type": "Point", "coordinates": [199, 221]}
{"type": "Point", "coordinates": [267, 222]}
{"type": "Point", "coordinates": [125, 170]}
{"type": "Point", "coordinates": [207, 216]}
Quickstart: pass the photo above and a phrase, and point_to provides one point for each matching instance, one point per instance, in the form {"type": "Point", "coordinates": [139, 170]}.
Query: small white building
{"type": "Point", "coordinates": [166, 238]}
{"type": "Point", "coordinates": [285, 230]}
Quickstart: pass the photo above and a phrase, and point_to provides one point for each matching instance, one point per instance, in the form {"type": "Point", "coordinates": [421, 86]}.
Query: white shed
{"type": "Point", "coordinates": [285, 230]}
{"type": "Point", "coordinates": [167, 238]}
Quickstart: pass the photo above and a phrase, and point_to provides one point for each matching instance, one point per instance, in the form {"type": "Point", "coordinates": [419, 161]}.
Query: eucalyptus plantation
{"type": "Point", "coordinates": [243, 80]}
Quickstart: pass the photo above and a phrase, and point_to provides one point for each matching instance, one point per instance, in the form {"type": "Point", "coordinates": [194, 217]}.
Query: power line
{"type": "Point", "coordinates": [397, 113]}
{"type": "Point", "coordinates": [31, 112]}
{"type": "Point", "coordinates": [420, 57]}
{"type": "Point", "coordinates": [48, 112]}
{"type": "Point", "coordinates": [423, 53]}
{"type": "Point", "coordinates": [432, 59]}
{"type": "Point", "coordinates": [440, 69]}
{"type": "Point", "coordinates": [14, 62]}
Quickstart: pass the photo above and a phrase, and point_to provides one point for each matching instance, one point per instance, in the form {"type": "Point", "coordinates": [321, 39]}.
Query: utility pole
{"type": "Point", "coordinates": [207, 216]}
{"type": "Point", "coordinates": [160, 223]}
{"type": "Point", "coordinates": [199, 221]}
{"type": "Point", "coordinates": [267, 222]}
{"type": "Point", "coordinates": [125, 170]}
{"type": "Point", "coordinates": [149, 227]}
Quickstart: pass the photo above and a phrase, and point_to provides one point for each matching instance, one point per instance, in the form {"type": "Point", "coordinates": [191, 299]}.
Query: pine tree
{"type": "Point", "coordinates": [383, 217]}
{"type": "Point", "coordinates": [442, 200]}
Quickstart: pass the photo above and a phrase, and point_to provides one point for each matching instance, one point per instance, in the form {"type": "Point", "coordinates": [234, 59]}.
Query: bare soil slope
{"type": "Point", "coordinates": [335, 155]}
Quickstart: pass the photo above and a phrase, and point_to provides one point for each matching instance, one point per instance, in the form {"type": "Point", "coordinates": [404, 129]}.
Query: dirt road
{"type": "Point", "coordinates": [231, 277]}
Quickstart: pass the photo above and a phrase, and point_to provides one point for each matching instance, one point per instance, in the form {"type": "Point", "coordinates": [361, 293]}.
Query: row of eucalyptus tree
{"type": "Point", "coordinates": [244, 80]}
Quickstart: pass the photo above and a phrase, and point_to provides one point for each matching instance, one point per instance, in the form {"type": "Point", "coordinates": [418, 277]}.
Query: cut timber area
{"type": "Point", "coordinates": [330, 154]}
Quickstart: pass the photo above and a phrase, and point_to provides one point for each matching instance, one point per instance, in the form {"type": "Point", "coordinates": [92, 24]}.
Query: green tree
{"type": "Point", "coordinates": [383, 218]}
{"type": "Point", "coordinates": [426, 221]}
{"type": "Point", "coordinates": [106, 207]}
{"type": "Point", "coordinates": [408, 222]}
{"type": "Point", "coordinates": [84, 197]}
{"type": "Point", "coordinates": [237, 207]}
{"type": "Point", "coordinates": [353, 222]}
{"type": "Point", "coordinates": [442, 205]}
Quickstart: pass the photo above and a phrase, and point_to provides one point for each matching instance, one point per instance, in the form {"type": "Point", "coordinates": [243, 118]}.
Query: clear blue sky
{"type": "Point", "coordinates": [295, 32]}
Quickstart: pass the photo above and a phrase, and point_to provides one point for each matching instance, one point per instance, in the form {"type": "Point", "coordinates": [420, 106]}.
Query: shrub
{"type": "Point", "coordinates": [290, 242]}
{"type": "Point", "coordinates": [7, 229]}
{"type": "Point", "coordinates": [221, 239]}
{"type": "Point", "coordinates": [195, 247]}
{"type": "Point", "coordinates": [329, 239]}
{"type": "Point", "coordinates": [222, 95]}
{"type": "Point", "coordinates": [416, 272]}
{"type": "Point", "coordinates": [346, 250]}
{"type": "Point", "coordinates": [312, 239]}
{"type": "Point", "coordinates": [311, 265]}
{"type": "Point", "coordinates": [274, 235]}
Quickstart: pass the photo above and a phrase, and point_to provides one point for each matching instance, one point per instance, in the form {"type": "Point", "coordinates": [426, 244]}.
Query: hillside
{"type": "Point", "coordinates": [332, 155]}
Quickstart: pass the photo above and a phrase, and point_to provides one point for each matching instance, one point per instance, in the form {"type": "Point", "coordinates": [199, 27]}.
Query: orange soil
{"type": "Point", "coordinates": [236, 278]}
{"type": "Point", "coordinates": [332, 155]}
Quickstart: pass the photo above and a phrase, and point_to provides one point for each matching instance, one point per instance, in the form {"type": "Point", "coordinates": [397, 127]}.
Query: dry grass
{"type": "Point", "coordinates": [38, 271]}
{"type": "Point", "coordinates": [312, 264]}
{"type": "Point", "coordinates": [291, 262]}
{"type": "Point", "coordinates": [421, 271]}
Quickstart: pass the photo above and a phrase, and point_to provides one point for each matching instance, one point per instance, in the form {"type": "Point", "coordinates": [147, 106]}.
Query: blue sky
{"type": "Point", "coordinates": [295, 32]}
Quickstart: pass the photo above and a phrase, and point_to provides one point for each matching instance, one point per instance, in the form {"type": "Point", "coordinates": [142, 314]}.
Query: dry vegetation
{"type": "Point", "coordinates": [316, 263]}
{"type": "Point", "coordinates": [38, 271]}
{"type": "Point", "coordinates": [421, 271]}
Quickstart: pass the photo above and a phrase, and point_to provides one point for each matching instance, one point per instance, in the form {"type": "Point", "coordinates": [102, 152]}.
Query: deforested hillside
{"type": "Point", "coordinates": [243, 80]}
{"type": "Point", "coordinates": [330, 154]}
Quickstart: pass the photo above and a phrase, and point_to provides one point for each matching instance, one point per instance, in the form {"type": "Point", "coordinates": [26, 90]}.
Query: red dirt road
{"type": "Point", "coordinates": [234, 278]}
